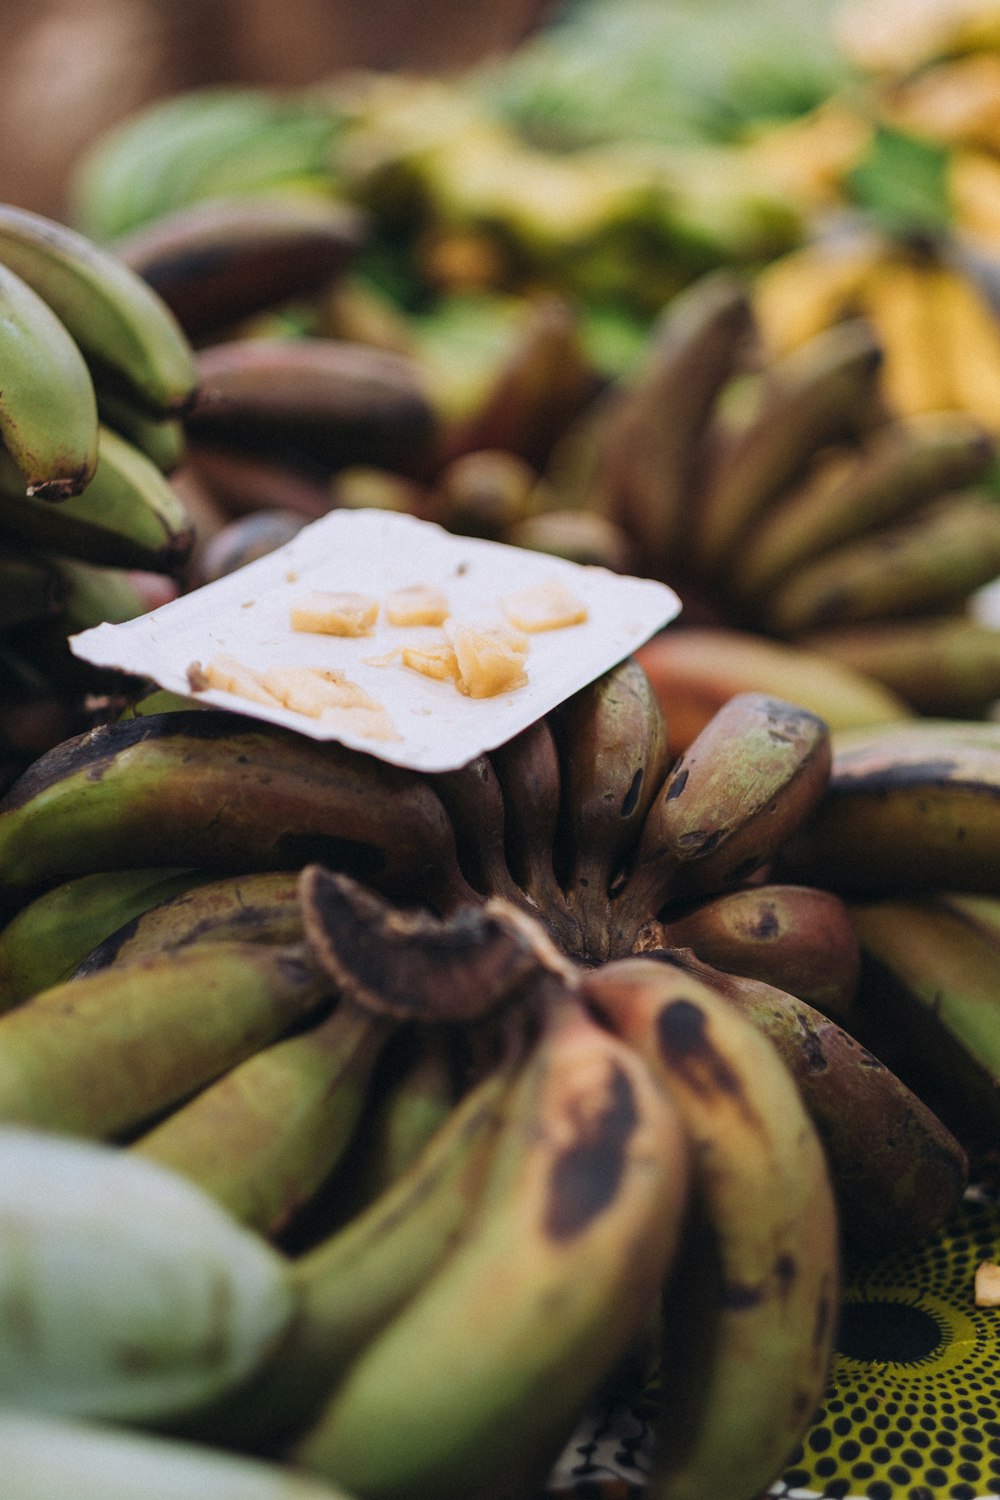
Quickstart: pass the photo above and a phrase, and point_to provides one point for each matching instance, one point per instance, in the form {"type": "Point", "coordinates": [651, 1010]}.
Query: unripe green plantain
{"type": "Point", "coordinates": [944, 666]}
{"type": "Point", "coordinates": [47, 1456]}
{"type": "Point", "coordinates": [258, 908]}
{"type": "Point", "coordinates": [262, 1139]}
{"type": "Point", "coordinates": [897, 1171]}
{"type": "Point", "coordinates": [124, 331]}
{"type": "Point", "coordinates": [204, 788]}
{"type": "Point", "coordinates": [743, 785]}
{"type": "Point", "coordinates": [750, 1313]}
{"type": "Point", "coordinates": [128, 516]}
{"type": "Point", "coordinates": [162, 439]}
{"type": "Point", "coordinates": [927, 563]}
{"type": "Point", "coordinates": [553, 1277]}
{"type": "Point", "coordinates": [45, 941]}
{"type": "Point", "coordinates": [103, 1054]}
{"type": "Point", "coordinates": [48, 410]}
{"type": "Point", "coordinates": [911, 806]}
{"type": "Point", "coordinates": [143, 1298]}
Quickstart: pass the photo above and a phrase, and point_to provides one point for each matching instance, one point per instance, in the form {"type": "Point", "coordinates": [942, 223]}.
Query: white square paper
{"type": "Point", "coordinates": [246, 615]}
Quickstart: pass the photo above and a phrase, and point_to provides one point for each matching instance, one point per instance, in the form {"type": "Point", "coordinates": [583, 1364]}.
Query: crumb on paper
{"type": "Point", "coordinates": [543, 606]}
{"type": "Point", "coordinates": [312, 690]}
{"type": "Point", "coordinates": [491, 659]}
{"type": "Point", "coordinates": [436, 661]}
{"type": "Point", "coordinates": [226, 674]}
{"type": "Point", "coordinates": [417, 604]}
{"type": "Point", "coordinates": [987, 1284]}
{"type": "Point", "coordinates": [369, 723]}
{"type": "Point", "coordinates": [339, 612]}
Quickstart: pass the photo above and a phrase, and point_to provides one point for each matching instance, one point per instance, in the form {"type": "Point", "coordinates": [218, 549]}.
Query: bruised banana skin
{"type": "Point", "coordinates": [261, 1139]}
{"type": "Point", "coordinates": [100, 1055]}
{"type": "Point", "coordinates": [334, 402]}
{"type": "Point", "coordinates": [796, 937]}
{"type": "Point", "coordinates": [897, 1170]}
{"type": "Point", "coordinates": [728, 804]}
{"type": "Point", "coordinates": [128, 516]}
{"type": "Point", "coordinates": [577, 1274]}
{"type": "Point", "coordinates": [48, 409]}
{"type": "Point", "coordinates": [822, 391]}
{"type": "Point", "coordinates": [126, 334]}
{"type": "Point", "coordinates": [696, 669]}
{"type": "Point", "coordinates": [262, 907]}
{"type": "Point", "coordinates": [912, 806]}
{"type": "Point", "coordinates": [929, 562]}
{"type": "Point", "coordinates": [192, 786]}
{"type": "Point", "coordinates": [927, 998]}
{"type": "Point", "coordinates": [46, 940]}
{"type": "Point", "coordinates": [221, 260]}
{"type": "Point", "coordinates": [614, 755]}
{"type": "Point", "coordinates": [741, 1384]}
{"type": "Point", "coordinates": [905, 464]}
{"type": "Point", "coordinates": [655, 431]}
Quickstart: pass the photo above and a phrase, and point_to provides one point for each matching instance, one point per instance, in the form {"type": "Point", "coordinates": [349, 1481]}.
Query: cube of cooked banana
{"type": "Point", "coordinates": [370, 723]}
{"type": "Point", "coordinates": [312, 690]}
{"type": "Point", "coordinates": [227, 674]}
{"type": "Point", "coordinates": [543, 606]}
{"type": "Point", "coordinates": [417, 604]}
{"type": "Point", "coordinates": [438, 661]}
{"type": "Point", "coordinates": [491, 659]}
{"type": "Point", "coordinates": [337, 612]}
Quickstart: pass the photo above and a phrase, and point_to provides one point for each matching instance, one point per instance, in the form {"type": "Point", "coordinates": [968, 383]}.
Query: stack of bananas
{"type": "Point", "coordinates": [515, 1085]}
{"type": "Point", "coordinates": [96, 376]}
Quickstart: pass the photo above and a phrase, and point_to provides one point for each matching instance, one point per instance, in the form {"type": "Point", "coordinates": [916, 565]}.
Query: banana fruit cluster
{"type": "Point", "coordinates": [513, 1086]}
{"type": "Point", "coordinates": [97, 375]}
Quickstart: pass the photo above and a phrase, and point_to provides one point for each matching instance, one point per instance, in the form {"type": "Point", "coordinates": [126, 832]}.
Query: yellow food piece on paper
{"type": "Point", "coordinates": [543, 606]}
{"type": "Point", "coordinates": [490, 660]}
{"type": "Point", "coordinates": [987, 1284]}
{"type": "Point", "coordinates": [439, 662]}
{"type": "Point", "coordinates": [312, 690]}
{"type": "Point", "coordinates": [370, 723]}
{"type": "Point", "coordinates": [417, 604]}
{"type": "Point", "coordinates": [227, 674]}
{"type": "Point", "coordinates": [339, 612]}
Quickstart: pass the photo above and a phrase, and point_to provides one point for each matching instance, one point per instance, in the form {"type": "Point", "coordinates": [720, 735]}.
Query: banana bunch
{"type": "Point", "coordinates": [903, 835]}
{"type": "Point", "coordinates": [96, 376]}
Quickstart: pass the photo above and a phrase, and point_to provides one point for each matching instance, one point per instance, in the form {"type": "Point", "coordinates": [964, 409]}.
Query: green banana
{"type": "Point", "coordinates": [263, 1138]}
{"type": "Point", "coordinates": [162, 439]}
{"type": "Point", "coordinates": [48, 409]}
{"type": "Point", "coordinates": [820, 392]}
{"type": "Point", "coordinates": [102, 1055]}
{"type": "Point", "coordinates": [927, 998]}
{"type": "Point", "coordinates": [942, 666]}
{"type": "Point", "coordinates": [260, 908]}
{"type": "Point", "coordinates": [750, 1310]}
{"type": "Point", "coordinates": [741, 788]}
{"type": "Point", "coordinates": [126, 334]}
{"type": "Point", "coordinates": [44, 1456]}
{"type": "Point", "coordinates": [571, 1235]}
{"type": "Point", "coordinates": [905, 463]}
{"type": "Point", "coordinates": [910, 806]}
{"type": "Point", "coordinates": [897, 1171]}
{"type": "Point", "coordinates": [221, 260]}
{"type": "Point", "coordinates": [200, 788]}
{"type": "Point", "coordinates": [925, 564]}
{"type": "Point", "coordinates": [128, 516]}
{"type": "Point", "coordinates": [614, 755]}
{"type": "Point", "coordinates": [652, 442]}
{"type": "Point", "coordinates": [328, 401]}
{"type": "Point", "coordinates": [142, 1296]}
{"type": "Point", "coordinates": [44, 942]}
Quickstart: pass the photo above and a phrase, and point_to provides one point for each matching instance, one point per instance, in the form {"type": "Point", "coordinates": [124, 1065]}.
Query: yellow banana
{"type": "Point", "coordinates": [751, 1310]}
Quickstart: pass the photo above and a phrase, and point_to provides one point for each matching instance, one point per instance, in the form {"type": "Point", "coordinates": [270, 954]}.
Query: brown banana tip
{"type": "Point", "coordinates": [408, 964]}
